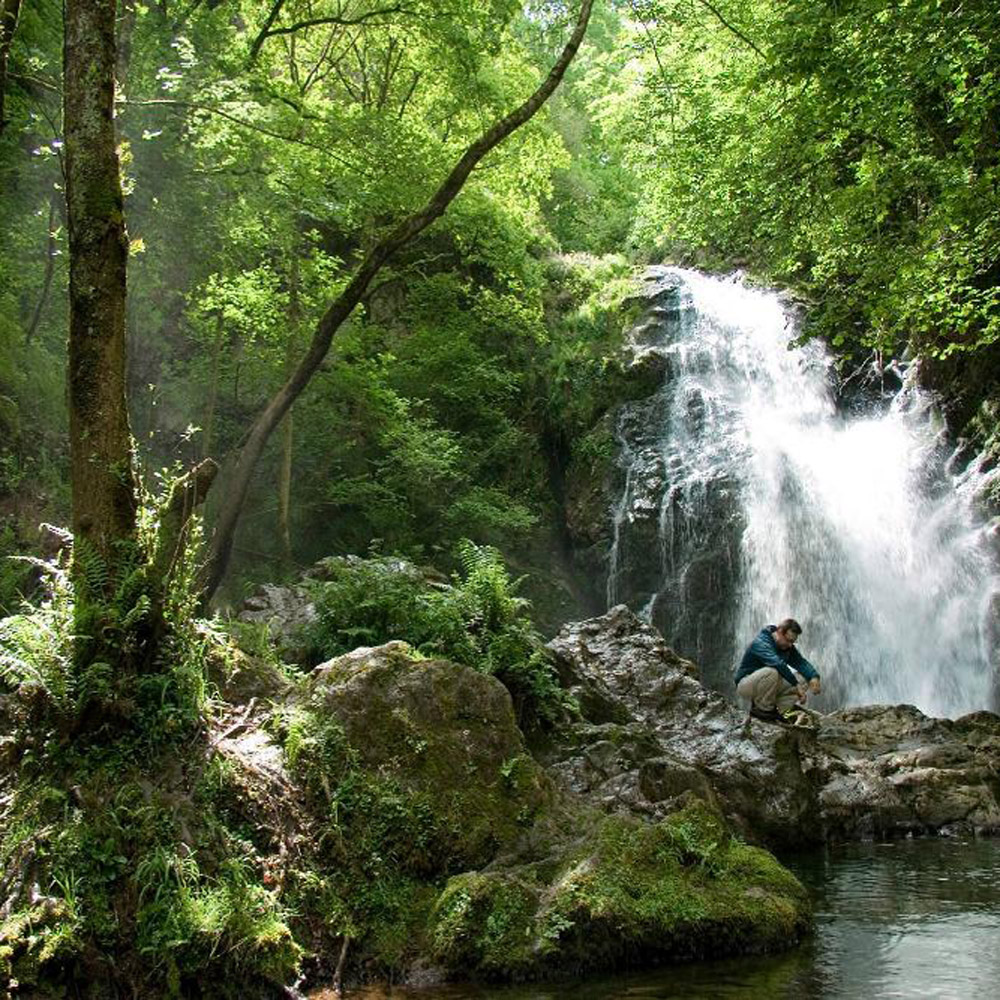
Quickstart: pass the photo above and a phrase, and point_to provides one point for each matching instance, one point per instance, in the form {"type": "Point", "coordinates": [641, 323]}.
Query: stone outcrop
{"type": "Point", "coordinates": [635, 374]}
{"type": "Point", "coordinates": [650, 733]}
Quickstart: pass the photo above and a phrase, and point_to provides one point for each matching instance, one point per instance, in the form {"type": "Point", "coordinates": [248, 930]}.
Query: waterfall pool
{"type": "Point", "coordinates": [907, 919]}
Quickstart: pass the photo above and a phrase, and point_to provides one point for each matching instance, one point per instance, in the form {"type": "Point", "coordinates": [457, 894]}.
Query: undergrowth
{"type": "Point", "coordinates": [376, 852]}
{"type": "Point", "coordinates": [478, 621]}
{"type": "Point", "coordinates": [120, 874]}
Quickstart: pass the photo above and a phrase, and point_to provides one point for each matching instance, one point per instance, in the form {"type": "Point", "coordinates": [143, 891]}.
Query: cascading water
{"type": "Point", "coordinates": [746, 497]}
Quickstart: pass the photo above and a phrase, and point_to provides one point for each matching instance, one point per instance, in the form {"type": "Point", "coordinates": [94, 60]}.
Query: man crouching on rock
{"type": "Point", "coordinates": [765, 673]}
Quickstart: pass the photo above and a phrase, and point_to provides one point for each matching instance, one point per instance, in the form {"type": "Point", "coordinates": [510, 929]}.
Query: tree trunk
{"type": "Point", "coordinates": [9, 10]}
{"type": "Point", "coordinates": [343, 305]}
{"type": "Point", "coordinates": [126, 29]}
{"type": "Point", "coordinates": [285, 490]}
{"type": "Point", "coordinates": [50, 264]}
{"type": "Point", "coordinates": [103, 483]}
{"type": "Point", "coordinates": [208, 432]}
{"type": "Point", "coordinates": [288, 427]}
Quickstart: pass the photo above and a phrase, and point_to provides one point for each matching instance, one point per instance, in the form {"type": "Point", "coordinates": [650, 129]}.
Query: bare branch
{"type": "Point", "coordinates": [408, 94]}
{"type": "Point", "coordinates": [50, 263]}
{"type": "Point", "coordinates": [269, 31]}
{"type": "Point", "coordinates": [730, 27]}
{"type": "Point", "coordinates": [263, 34]}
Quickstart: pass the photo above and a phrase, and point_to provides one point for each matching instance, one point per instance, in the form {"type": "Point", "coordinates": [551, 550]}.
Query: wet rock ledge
{"type": "Point", "coordinates": [650, 733]}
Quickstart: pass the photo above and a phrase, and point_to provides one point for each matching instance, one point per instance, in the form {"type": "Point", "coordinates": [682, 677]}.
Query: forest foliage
{"type": "Point", "coordinates": [847, 149]}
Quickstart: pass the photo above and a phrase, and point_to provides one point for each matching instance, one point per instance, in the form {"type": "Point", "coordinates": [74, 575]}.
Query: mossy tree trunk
{"type": "Point", "coordinates": [103, 480]}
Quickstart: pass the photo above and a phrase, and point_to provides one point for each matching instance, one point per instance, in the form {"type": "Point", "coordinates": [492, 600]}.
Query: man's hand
{"type": "Point", "coordinates": [814, 685]}
{"type": "Point", "coordinates": [801, 687]}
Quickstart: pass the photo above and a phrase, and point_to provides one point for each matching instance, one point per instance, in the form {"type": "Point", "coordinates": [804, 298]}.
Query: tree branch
{"type": "Point", "coordinates": [729, 27]}
{"type": "Point", "coordinates": [9, 10]}
{"type": "Point", "coordinates": [268, 31]}
{"type": "Point", "coordinates": [186, 494]}
{"type": "Point", "coordinates": [342, 307]}
{"type": "Point", "coordinates": [50, 263]}
{"type": "Point", "coordinates": [263, 33]}
{"type": "Point", "coordinates": [170, 102]}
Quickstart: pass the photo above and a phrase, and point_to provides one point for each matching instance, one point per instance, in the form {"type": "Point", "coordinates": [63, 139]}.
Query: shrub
{"type": "Point", "coordinates": [479, 621]}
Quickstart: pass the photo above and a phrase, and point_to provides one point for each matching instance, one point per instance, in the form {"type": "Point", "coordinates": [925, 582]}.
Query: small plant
{"type": "Point", "coordinates": [36, 645]}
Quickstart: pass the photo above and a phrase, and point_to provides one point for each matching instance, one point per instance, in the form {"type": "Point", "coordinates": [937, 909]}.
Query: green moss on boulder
{"type": "Point", "coordinates": [629, 891]}
{"type": "Point", "coordinates": [447, 736]}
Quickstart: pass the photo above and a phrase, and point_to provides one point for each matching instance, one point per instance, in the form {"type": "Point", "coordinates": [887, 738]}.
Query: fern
{"type": "Point", "coordinates": [35, 647]}
{"type": "Point", "coordinates": [479, 621]}
{"type": "Point", "coordinates": [89, 569]}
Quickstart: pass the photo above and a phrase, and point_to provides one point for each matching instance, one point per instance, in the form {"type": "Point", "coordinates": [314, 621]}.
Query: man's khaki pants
{"type": "Point", "coordinates": [766, 688]}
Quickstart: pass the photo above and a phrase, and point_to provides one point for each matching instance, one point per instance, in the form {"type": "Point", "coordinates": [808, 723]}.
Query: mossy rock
{"type": "Point", "coordinates": [629, 892]}
{"type": "Point", "coordinates": [240, 676]}
{"type": "Point", "coordinates": [446, 736]}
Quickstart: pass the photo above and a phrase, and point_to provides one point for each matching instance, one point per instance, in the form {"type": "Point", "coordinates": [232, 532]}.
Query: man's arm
{"type": "Point", "coordinates": [802, 665]}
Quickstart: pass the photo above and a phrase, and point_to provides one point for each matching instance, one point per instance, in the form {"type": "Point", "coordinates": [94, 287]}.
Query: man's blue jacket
{"type": "Point", "coordinates": [764, 652]}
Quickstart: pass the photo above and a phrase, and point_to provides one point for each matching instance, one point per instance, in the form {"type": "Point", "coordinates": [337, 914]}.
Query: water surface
{"type": "Point", "coordinates": [910, 919]}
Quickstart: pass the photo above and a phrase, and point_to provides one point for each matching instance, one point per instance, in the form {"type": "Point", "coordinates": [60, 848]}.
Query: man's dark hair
{"type": "Point", "coordinates": [790, 625]}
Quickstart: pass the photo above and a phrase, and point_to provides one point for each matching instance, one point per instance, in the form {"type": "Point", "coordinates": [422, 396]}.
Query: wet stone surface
{"type": "Point", "coordinates": [650, 732]}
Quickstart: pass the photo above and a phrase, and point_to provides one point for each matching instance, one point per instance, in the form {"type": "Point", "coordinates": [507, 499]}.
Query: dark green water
{"type": "Point", "coordinates": [911, 919]}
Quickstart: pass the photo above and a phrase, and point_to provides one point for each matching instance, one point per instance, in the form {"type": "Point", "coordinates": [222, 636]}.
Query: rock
{"type": "Point", "coordinates": [241, 677]}
{"type": "Point", "coordinates": [444, 732]}
{"type": "Point", "coordinates": [286, 613]}
{"type": "Point", "coordinates": [632, 892]}
{"type": "Point", "coordinates": [538, 881]}
{"type": "Point", "coordinates": [650, 733]}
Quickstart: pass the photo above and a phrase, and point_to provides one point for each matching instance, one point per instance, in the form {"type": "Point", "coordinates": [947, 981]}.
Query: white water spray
{"type": "Point", "coordinates": [770, 503]}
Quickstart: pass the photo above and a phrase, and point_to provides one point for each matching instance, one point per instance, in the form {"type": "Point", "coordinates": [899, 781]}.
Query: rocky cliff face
{"type": "Point", "coordinates": [650, 734]}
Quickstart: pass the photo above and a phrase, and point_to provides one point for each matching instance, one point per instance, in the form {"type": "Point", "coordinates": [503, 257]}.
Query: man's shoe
{"type": "Point", "coordinates": [765, 714]}
{"type": "Point", "coordinates": [800, 718]}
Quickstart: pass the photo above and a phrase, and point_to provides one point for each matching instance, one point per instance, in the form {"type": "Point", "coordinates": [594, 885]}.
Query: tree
{"type": "Point", "coordinates": [340, 308]}
{"type": "Point", "coordinates": [104, 490]}
{"type": "Point", "coordinates": [9, 11]}
{"type": "Point", "coordinates": [104, 484]}
{"type": "Point", "coordinates": [846, 148]}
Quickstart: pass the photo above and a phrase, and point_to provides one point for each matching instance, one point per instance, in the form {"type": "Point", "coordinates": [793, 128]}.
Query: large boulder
{"type": "Point", "coordinates": [448, 736]}
{"type": "Point", "coordinates": [650, 733]}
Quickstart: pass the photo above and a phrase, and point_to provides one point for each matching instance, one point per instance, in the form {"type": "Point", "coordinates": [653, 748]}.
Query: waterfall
{"type": "Point", "coordinates": [746, 497]}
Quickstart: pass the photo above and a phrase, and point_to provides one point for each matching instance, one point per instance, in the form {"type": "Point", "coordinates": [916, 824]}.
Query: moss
{"type": "Point", "coordinates": [440, 785]}
{"type": "Point", "coordinates": [392, 803]}
{"type": "Point", "coordinates": [680, 889]}
{"type": "Point", "coordinates": [444, 735]}
{"type": "Point", "coordinates": [484, 922]}
{"type": "Point", "coordinates": [128, 859]}
{"type": "Point", "coordinates": [35, 940]}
